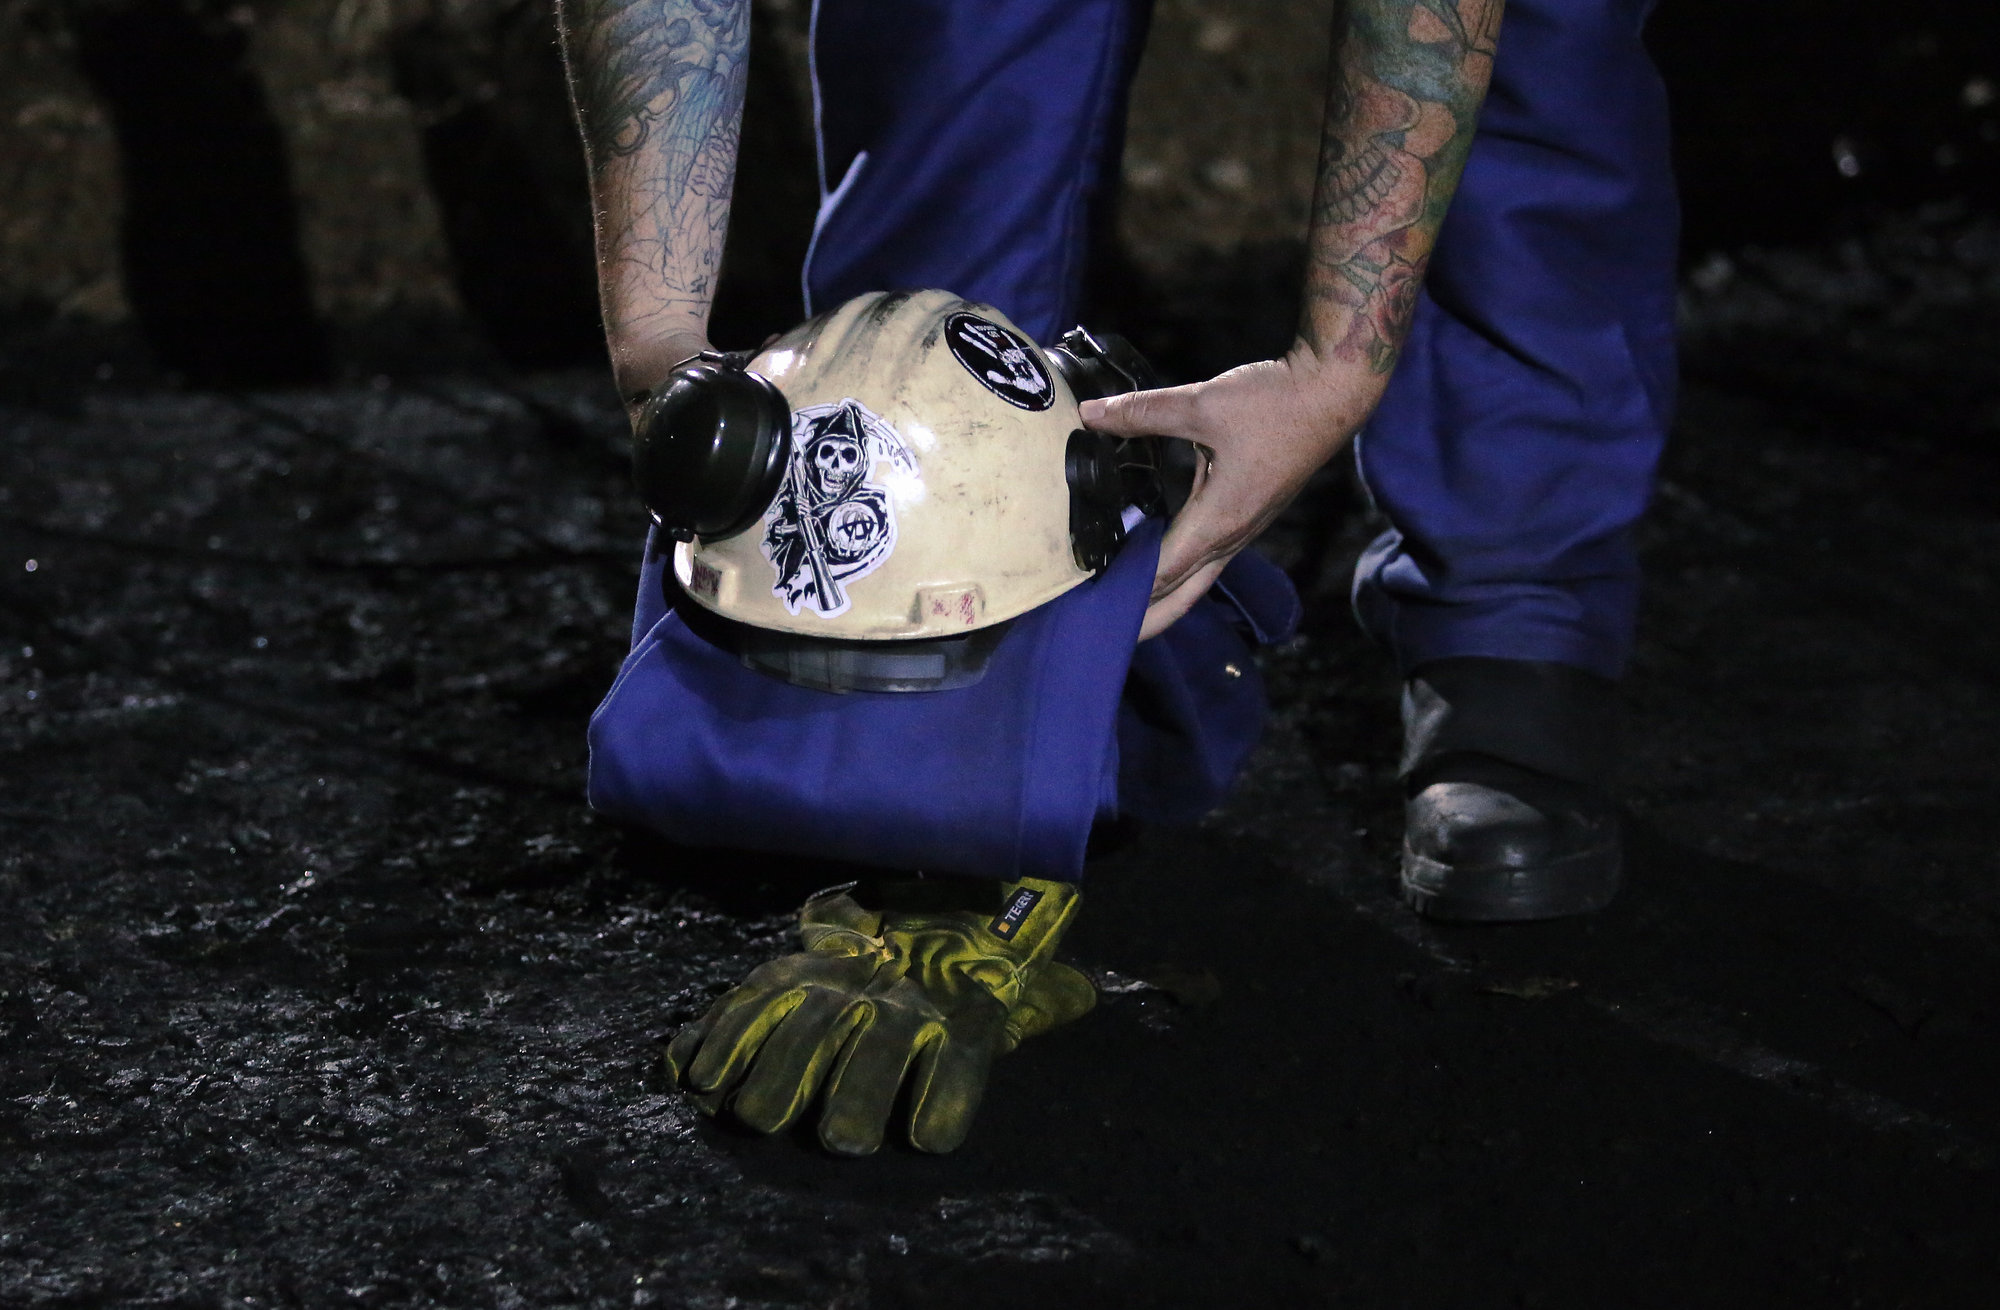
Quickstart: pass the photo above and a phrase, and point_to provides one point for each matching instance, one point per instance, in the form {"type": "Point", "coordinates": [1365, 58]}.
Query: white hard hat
{"type": "Point", "coordinates": [909, 468]}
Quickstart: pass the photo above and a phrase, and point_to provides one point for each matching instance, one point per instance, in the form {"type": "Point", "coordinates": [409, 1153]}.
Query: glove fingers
{"type": "Point", "coordinates": [737, 1027]}
{"type": "Point", "coordinates": [950, 1078]}
{"type": "Point", "coordinates": [680, 1055]}
{"type": "Point", "coordinates": [1057, 995]}
{"type": "Point", "coordinates": [710, 1103]}
{"type": "Point", "coordinates": [789, 1065]}
{"type": "Point", "coordinates": [681, 1050]}
{"type": "Point", "coordinates": [745, 1016]}
{"type": "Point", "coordinates": [861, 1092]}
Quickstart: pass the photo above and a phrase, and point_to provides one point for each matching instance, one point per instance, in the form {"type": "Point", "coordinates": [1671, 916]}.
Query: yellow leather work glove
{"type": "Point", "coordinates": [879, 996]}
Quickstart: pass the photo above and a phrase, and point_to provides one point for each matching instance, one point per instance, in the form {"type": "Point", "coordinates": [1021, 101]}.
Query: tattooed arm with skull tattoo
{"type": "Point", "coordinates": [658, 91]}
{"type": "Point", "coordinates": [1408, 80]}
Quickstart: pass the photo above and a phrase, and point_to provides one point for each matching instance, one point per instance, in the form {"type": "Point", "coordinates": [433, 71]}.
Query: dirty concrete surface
{"type": "Point", "coordinates": [319, 985]}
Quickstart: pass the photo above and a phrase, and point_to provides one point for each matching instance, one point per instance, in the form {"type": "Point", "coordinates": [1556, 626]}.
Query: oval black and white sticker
{"type": "Point", "coordinates": [1003, 361]}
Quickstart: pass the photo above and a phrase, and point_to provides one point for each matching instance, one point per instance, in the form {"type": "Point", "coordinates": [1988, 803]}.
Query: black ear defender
{"type": "Point", "coordinates": [710, 447]}
{"type": "Point", "coordinates": [1108, 474]}
{"type": "Point", "coordinates": [1100, 364]}
{"type": "Point", "coordinates": [1097, 499]}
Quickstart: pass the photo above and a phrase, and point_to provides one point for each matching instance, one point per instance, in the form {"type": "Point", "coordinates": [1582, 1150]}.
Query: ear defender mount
{"type": "Point", "coordinates": [710, 447]}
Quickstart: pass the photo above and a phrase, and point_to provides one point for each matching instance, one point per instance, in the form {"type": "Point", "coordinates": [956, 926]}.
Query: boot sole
{"type": "Point", "coordinates": [1576, 884]}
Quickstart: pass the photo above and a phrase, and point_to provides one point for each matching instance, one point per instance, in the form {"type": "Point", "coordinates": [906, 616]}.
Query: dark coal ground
{"type": "Point", "coordinates": [319, 985]}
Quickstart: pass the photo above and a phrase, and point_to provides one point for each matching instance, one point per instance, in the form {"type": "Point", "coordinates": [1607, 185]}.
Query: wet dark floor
{"type": "Point", "coordinates": [319, 986]}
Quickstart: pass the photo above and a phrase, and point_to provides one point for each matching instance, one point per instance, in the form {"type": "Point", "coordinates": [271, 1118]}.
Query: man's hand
{"type": "Point", "coordinates": [1410, 75]}
{"type": "Point", "coordinates": [1266, 428]}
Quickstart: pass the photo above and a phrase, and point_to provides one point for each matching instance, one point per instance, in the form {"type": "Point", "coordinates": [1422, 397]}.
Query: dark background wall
{"type": "Point", "coordinates": [1794, 117]}
{"type": "Point", "coordinates": [280, 189]}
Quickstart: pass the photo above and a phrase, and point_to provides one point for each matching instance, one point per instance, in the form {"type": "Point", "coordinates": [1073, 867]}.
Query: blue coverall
{"type": "Point", "coordinates": [965, 144]}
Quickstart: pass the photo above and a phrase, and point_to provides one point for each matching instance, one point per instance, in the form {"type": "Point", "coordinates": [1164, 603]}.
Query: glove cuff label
{"type": "Point", "coordinates": [1006, 925]}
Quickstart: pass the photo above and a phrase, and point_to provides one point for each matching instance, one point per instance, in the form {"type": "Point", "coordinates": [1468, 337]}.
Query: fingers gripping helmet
{"type": "Point", "coordinates": [866, 501]}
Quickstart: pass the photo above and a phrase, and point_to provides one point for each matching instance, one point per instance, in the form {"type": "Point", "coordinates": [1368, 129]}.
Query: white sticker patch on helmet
{"type": "Point", "coordinates": [831, 523]}
{"type": "Point", "coordinates": [1005, 363]}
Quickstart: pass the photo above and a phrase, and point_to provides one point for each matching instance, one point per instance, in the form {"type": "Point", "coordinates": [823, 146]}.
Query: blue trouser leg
{"type": "Point", "coordinates": [1517, 442]}
{"type": "Point", "coordinates": [963, 144]}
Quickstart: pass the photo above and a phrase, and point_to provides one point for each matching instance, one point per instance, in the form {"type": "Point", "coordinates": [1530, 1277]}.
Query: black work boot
{"type": "Point", "coordinates": [1505, 819]}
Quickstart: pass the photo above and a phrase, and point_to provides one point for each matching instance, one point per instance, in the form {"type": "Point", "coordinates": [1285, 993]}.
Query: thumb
{"type": "Point", "coordinates": [1177, 599]}
{"type": "Point", "coordinates": [1165, 412]}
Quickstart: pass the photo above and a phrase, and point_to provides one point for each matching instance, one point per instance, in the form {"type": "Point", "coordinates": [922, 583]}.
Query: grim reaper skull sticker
{"type": "Point", "coordinates": [1003, 361]}
{"type": "Point", "coordinates": [829, 524]}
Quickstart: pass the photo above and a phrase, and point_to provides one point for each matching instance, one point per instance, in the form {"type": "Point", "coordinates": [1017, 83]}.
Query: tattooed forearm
{"type": "Point", "coordinates": [1409, 79]}
{"type": "Point", "coordinates": [658, 91]}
